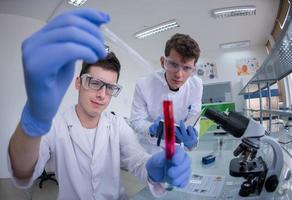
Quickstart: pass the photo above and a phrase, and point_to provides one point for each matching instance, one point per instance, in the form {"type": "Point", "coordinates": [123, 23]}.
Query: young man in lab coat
{"type": "Point", "coordinates": [176, 82]}
{"type": "Point", "coordinates": [85, 144]}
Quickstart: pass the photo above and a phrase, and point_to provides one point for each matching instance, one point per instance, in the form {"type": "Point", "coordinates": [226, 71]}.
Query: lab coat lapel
{"type": "Point", "coordinates": [75, 132]}
{"type": "Point", "coordinates": [102, 135]}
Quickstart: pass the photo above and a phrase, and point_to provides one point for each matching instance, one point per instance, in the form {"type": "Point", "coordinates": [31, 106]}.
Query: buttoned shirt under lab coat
{"type": "Point", "coordinates": [82, 175]}
{"type": "Point", "coordinates": [150, 91]}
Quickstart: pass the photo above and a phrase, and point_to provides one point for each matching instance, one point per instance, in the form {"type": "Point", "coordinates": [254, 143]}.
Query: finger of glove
{"type": "Point", "coordinates": [156, 167]}
{"type": "Point", "coordinates": [182, 128]}
{"type": "Point", "coordinates": [179, 168]}
{"type": "Point", "coordinates": [156, 161]}
{"type": "Point", "coordinates": [65, 76]}
{"type": "Point", "coordinates": [79, 22]}
{"type": "Point", "coordinates": [68, 34]}
{"type": "Point", "coordinates": [179, 156]}
{"type": "Point", "coordinates": [191, 131]}
{"type": "Point", "coordinates": [181, 178]}
{"type": "Point", "coordinates": [91, 15]}
{"type": "Point", "coordinates": [55, 56]}
{"type": "Point", "coordinates": [178, 134]}
{"type": "Point", "coordinates": [157, 120]}
{"type": "Point", "coordinates": [178, 173]}
{"type": "Point", "coordinates": [153, 129]}
{"type": "Point", "coordinates": [184, 183]}
{"type": "Point", "coordinates": [61, 22]}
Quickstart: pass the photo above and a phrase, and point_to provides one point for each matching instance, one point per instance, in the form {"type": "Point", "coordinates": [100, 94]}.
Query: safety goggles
{"type": "Point", "coordinates": [172, 66]}
{"type": "Point", "coordinates": [88, 82]}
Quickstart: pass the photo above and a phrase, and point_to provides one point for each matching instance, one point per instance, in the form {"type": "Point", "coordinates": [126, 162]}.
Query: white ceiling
{"type": "Point", "coordinates": [193, 16]}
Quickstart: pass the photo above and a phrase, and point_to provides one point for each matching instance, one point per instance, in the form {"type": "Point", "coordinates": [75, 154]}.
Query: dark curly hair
{"type": "Point", "coordinates": [184, 45]}
{"type": "Point", "coordinates": [110, 62]}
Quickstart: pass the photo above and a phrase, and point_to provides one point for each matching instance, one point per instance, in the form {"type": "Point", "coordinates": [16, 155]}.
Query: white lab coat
{"type": "Point", "coordinates": [150, 91]}
{"type": "Point", "coordinates": [81, 175]}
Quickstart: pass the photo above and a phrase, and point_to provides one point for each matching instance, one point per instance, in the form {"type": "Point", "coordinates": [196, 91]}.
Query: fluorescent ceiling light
{"type": "Point", "coordinates": [234, 11]}
{"type": "Point", "coordinates": [238, 44]}
{"type": "Point", "coordinates": [156, 29]}
{"type": "Point", "coordinates": [77, 2]}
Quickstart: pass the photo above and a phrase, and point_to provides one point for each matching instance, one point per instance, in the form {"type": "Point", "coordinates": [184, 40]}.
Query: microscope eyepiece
{"type": "Point", "coordinates": [233, 123]}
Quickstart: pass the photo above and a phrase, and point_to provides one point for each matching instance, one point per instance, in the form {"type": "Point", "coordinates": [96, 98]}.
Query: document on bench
{"type": "Point", "coordinates": [205, 185]}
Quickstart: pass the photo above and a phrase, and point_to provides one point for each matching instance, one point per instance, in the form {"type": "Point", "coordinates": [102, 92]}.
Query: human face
{"type": "Point", "coordinates": [92, 102]}
{"type": "Point", "coordinates": [176, 78]}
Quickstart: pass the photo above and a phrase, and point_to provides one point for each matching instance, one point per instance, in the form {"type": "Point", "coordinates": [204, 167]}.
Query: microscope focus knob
{"type": "Point", "coordinates": [246, 189]}
{"type": "Point", "coordinates": [271, 183]}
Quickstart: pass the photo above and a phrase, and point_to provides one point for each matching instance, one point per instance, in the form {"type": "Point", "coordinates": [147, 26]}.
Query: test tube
{"type": "Point", "coordinates": [169, 136]}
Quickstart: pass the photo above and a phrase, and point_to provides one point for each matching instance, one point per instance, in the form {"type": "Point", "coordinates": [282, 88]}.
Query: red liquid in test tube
{"type": "Point", "coordinates": [169, 132]}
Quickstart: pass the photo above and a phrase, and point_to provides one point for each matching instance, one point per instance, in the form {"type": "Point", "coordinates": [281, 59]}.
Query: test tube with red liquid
{"type": "Point", "coordinates": [169, 135]}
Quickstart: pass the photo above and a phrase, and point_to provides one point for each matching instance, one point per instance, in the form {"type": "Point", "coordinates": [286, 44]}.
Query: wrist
{"type": "Point", "coordinates": [150, 180]}
{"type": "Point", "coordinates": [32, 126]}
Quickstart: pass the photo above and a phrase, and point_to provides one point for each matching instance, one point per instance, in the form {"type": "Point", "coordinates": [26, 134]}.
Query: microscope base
{"type": "Point", "coordinates": [233, 194]}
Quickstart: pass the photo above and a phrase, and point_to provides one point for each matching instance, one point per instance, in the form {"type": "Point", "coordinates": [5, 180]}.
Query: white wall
{"type": "Point", "coordinates": [226, 67]}
{"type": "Point", "coordinates": [15, 28]}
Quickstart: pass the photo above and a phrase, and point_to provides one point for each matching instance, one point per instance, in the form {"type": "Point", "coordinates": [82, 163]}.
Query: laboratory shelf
{"type": "Point", "coordinates": [277, 64]}
{"type": "Point", "coordinates": [286, 113]}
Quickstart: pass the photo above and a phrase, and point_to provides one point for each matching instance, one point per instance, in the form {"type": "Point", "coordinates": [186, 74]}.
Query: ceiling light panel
{"type": "Point", "coordinates": [157, 29]}
{"type": "Point", "coordinates": [234, 11]}
{"type": "Point", "coordinates": [238, 44]}
{"type": "Point", "coordinates": [77, 2]}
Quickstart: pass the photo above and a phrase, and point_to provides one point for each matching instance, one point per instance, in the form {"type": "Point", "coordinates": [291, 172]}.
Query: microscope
{"type": "Point", "coordinates": [260, 180]}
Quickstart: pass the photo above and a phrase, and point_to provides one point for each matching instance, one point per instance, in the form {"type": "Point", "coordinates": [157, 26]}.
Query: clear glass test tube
{"type": "Point", "coordinates": [169, 137]}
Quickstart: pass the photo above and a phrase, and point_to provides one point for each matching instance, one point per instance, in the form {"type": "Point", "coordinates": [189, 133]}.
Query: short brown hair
{"type": "Point", "coordinates": [110, 62]}
{"type": "Point", "coordinates": [184, 45]}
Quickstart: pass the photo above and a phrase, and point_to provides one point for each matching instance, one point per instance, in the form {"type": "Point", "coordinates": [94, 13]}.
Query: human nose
{"type": "Point", "coordinates": [179, 72]}
{"type": "Point", "coordinates": [101, 92]}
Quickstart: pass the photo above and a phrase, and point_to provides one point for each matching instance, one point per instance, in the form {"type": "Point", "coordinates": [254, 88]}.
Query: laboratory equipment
{"type": "Point", "coordinates": [260, 180]}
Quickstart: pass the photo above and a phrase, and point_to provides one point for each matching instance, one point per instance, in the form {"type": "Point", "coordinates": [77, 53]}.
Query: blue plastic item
{"type": "Point", "coordinates": [208, 159]}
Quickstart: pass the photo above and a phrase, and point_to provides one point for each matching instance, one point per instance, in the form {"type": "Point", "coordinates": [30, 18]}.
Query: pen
{"type": "Point", "coordinates": [198, 116]}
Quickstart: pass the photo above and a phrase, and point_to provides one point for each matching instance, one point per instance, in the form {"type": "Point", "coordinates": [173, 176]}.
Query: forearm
{"type": "Point", "coordinates": [23, 152]}
{"type": "Point", "coordinates": [141, 126]}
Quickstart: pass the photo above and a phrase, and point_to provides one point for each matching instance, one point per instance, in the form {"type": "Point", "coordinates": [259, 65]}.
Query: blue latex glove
{"type": "Point", "coordinates": [188, 136]}
{"type": "Point", "coordinates": [49, 57]}
{"type": "Point", "coordinates": [178, 172]}
{"type": "Point", "coordinates": [154, 126]}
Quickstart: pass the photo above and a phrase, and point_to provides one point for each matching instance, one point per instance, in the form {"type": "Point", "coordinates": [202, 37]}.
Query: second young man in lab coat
{"type": "Point", "coordinates": [85, 144]}
{"type": "Point", "coordinates": [176, 82]}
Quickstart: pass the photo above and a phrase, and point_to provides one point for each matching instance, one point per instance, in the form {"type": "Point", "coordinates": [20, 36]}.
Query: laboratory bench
{"type": "Point", "coordinates": [221, 146]}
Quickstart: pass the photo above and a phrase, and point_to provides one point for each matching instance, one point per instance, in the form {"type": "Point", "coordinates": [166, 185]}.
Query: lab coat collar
{"type": "Point", "coordinates": [76, 129]}
{"type": "Point", "coordinates": [162, 77]}
{"type": "Point", "coordinates": [161, 74]}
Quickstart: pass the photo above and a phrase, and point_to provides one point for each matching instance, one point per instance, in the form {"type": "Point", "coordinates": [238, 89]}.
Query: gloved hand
{"type": "Point", "coordinates": [179, 170]}
{"type": "Point", "coordinates": [49, 57]}
{"type": "Point", "coordinates": [188, 136]}
{"type": "Point", "coordinates": [154, 126]}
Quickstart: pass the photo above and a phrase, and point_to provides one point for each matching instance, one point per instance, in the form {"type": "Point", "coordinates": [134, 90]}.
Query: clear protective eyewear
{"type": "Point", "coordinates": [172, 66]}
{"type": "Point", "coordinates": [88, 82]}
